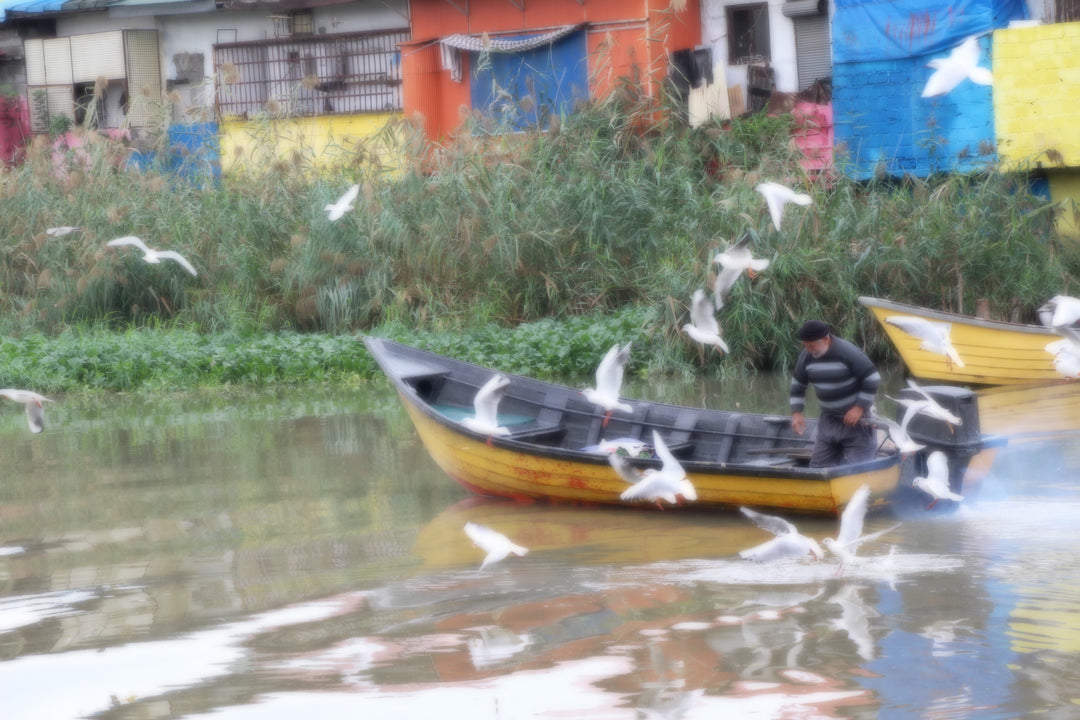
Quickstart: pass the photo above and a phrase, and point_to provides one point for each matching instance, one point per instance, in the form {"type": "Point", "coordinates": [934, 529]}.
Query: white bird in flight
{"type": "Point", "coordinates": [495, 544]}
{"type": "Point", "coordinates": [35, 412]}
{"type": "Point", "coordinates": [652, 485]}
{"type": "Point", "coordinates": [344, 204]}
{"type": "Point", "coordinates": [927, 405]}
{"type": "Point", "coordinates": [962, 63]}
{"type": "Point", "coordinates": [936, 481]}
{"type": "Point", "coordinates": [1066, 354]}
{"type": "Point", "coordinates": [1060, 311]}
{"type": "Point", "coordinates": [150, 255]}
{"type": "Point", "coordinates": [703, 327]}
{"type": "Point", "coordinates": [898, 432]}
{"type": "Point", "coordinates": [733, 262]}
{"type": "Point", "coordinates": [486, 407]}
{"type": "Point", "coordinates": [777, 196]}
{"type": "Point", "coordinates": [61, 231]}
{"type": "Point", "coordinates": [787, 544]}
{"type": "Point", "coordinates": [850, 535]}
{"type": "Point", "coordinates": [609, 377]}
{"type": "Point", "coordinates": [934, 336]}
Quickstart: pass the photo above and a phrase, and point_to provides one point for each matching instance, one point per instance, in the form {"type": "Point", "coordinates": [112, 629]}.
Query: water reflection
{"type": "Point", "coordinates": [296, 553]}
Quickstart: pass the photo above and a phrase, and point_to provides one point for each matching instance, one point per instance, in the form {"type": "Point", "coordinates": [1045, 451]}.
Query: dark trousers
{"type": "Point", "coordinates": [839, 444]}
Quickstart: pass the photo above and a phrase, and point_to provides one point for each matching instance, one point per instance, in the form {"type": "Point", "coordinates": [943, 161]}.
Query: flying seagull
{"type": "Point", "coordinates": [486, 407]}
{"type": "Point", "coordinates": [495, 544]}
{"type": "Point", "coordinates": [703, 327]}
{"type": "Point", "coordinates": [1066, 354]}
{"type": "Point", "coordinates": [898, 432]}
{"type": "Point", "coordinates": [850, 536]}
{"type": "Point", "coordinates": [344, 204]}
{"type": "Point", "coordinates": [962, 63]}
{"type": "Point", "coordinates": [787, 544]}
{"type": "Point", "coordinates": [934, 336]}
{"type": "Point", "coordinates": [150, 255]}
{"type": "Point", "coordinates": [35, 412]}
{"type": "Point", "coordinates": [61, 231]}
{"type": "Point", "coordinates": [652, 485]}
{"type": "Point", "coordinates": [777, 196]}
{"type": "Point", "coordinates": [733, 262]}
{"type": "Point", "coordinates": [609, 376]}
{"type": "Point", "coordinates": [927, 405]}
{"type": "Point", "coordinates": [936, 481]}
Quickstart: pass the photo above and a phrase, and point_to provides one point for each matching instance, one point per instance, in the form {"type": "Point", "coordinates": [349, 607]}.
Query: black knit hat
{"type": "Point", "coordinates": [813, 330]}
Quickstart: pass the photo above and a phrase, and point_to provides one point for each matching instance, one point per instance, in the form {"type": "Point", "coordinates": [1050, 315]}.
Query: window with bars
{"type": "Point", "coordinates": [336, 74]}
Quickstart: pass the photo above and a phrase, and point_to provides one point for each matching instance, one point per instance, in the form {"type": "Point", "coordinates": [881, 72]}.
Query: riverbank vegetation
{"type": "Point", "coordinates": [529, 253]}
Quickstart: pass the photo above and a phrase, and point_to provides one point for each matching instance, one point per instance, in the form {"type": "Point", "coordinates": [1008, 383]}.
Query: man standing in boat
{"type": "Point", "coordinates": [845, 381]}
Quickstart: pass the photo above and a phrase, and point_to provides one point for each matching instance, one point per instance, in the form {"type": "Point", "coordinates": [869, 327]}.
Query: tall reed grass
{"type": "Point", "coordinates": [608, 210]}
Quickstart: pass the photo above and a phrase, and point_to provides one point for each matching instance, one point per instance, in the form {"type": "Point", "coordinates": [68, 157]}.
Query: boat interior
{"type": "Point", "coordinates": [560, 417]}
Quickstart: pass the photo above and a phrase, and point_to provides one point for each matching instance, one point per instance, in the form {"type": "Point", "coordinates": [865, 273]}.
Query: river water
{"type": "Point", "coordinates": [295, 553]}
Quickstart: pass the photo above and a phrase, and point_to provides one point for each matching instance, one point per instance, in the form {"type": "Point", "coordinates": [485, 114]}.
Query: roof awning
{"type": "Point", "coordinates": [517, 43]}
{"type": "Point", "coordinates": [451, 46]}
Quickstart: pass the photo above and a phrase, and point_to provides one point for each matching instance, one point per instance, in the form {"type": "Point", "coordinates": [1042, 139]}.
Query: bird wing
{"type": "Point", "coordinates": [769, 191]}
{"type": "Point", "coordinates": [672, 471]}
{"type": "Point", "coordinates": [173, 255]}
{"type": "Point", "coordinates": [348, 197]}
{"type": "Point", "coordinates": [851, 519]}
{"type": "Point", "coordinates": [60, 231]}
{"type": "Point", "coordinates": [770, 523]}
{"type": "Point", "coordinates": [915, 326]}
{"type": "Point", "coordinates": [937, 467]}
{"type": "Point", "coordinates": [624, 469]}
{"type": "Point", "coordinates": [128, 240]}
{"type": "Point", "coordinates": [495, 544]}
{"type": "Point", "coordinates": [487, 398]}
{"type": "Point", "coordinates": [35, 416]}
{"type": "Point", "coordinates": [869, 537]}
{"type": "Point", "coordinates": [701, 313]}
{"type": "Point", "coordinates": [1066, 311]}
{"type": "Point", "coordinates": [609, 373]}
{"type": "Point", "coordinates": [725, 280]}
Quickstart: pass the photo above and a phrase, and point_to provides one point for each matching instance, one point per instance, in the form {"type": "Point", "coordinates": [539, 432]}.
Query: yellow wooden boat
{"type": "Point", "coordinates": [993, 352]}
{"type": "Point", "coordinates": [732, 458]}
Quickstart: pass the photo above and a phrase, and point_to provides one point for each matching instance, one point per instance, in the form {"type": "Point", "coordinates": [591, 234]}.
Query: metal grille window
{"type": "Point", "coordinates": [321, 75]}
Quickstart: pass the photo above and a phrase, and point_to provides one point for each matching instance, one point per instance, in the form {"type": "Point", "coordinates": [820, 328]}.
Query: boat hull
{"type": "Point", "coordinates": [504, 472]}
{"type": "Point", "coordinates": [994, 353]}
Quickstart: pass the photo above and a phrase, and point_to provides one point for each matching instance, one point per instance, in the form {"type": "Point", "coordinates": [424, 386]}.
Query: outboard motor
{"type": "Point", "coordinates": [959, 442]}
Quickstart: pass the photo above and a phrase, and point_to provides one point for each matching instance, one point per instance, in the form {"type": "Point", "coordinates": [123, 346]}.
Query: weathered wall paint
{"type": "Point", "coordinates": [321, 141]}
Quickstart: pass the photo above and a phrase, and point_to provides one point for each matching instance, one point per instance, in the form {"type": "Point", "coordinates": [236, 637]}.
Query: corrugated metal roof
{"type": "Point", "coordinates": [29, 6]}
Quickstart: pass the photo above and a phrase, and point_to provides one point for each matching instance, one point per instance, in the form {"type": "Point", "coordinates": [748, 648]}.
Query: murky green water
{"type": "Point", "coordinates": [296, 554]}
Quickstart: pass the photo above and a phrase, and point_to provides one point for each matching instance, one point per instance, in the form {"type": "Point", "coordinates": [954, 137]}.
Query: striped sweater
{"type": "Point", "coordinates": [842, 378]}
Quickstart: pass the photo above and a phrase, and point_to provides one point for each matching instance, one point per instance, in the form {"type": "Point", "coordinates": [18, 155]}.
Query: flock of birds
{"type": "Point", "coordinates": [670, 482]}
{"type": "Point", "coordinates": [786, 544]}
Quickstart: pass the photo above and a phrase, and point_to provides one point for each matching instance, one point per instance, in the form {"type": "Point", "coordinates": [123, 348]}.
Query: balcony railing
{"type": "Point", "coordinates": [338, 74]}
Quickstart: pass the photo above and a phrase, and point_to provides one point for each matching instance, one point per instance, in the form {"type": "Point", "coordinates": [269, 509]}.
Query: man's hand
{"type": "Point", "coordinates": [798, 423]}
{"type": "Point", "coordinates": [853, 416]}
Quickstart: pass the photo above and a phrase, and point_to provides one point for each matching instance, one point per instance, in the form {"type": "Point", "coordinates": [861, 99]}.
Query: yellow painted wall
{"type": "Point", "coordinates": [1065, 191]}
{"type": "Point", "coordinates": [1036, 95]}
{"type": "Point", "coordinates": [320, 142]}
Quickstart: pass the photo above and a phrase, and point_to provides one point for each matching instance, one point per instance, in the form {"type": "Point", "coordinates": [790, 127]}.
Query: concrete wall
{"type": "Point", "coordinates": [781, 43]}
{"type": "Point", "coordinates": [1036, 94]}
{"type": "Point", "coordinates": [321, 141]}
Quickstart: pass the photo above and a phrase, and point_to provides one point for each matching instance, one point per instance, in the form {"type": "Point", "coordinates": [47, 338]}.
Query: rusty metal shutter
{"type": "Point", "coordinates": [813, 51]}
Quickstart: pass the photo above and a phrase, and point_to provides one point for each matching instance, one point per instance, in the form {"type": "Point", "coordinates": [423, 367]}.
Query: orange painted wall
{"type": "Point", "coordinates": [627, 24]}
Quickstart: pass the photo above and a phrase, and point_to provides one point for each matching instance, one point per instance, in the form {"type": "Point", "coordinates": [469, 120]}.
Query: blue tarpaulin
{"type": "Point", "coordinates": [865, 30]}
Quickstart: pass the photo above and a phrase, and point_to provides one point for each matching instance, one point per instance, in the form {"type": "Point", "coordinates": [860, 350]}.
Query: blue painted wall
{"type": "Point", "coordinates": [883, 125]}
